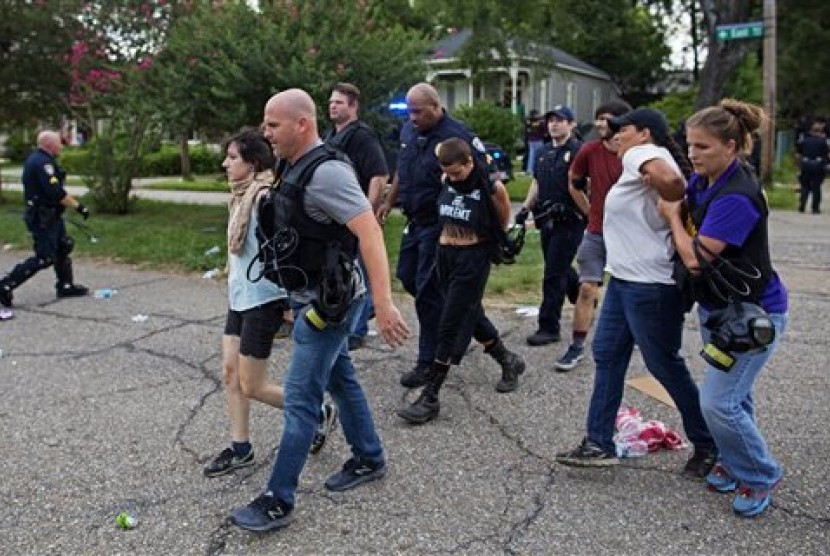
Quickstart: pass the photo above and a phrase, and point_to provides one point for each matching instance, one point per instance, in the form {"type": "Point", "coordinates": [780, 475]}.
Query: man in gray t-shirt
{"type": "Point", "coordinates": [320, 361]}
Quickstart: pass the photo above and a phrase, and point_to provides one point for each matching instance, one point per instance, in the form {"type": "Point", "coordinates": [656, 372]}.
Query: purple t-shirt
{"type": "Point", "coordinates": [730, 219]}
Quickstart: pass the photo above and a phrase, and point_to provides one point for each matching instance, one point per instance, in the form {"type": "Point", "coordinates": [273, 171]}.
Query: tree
{"type": "Point", "coordinates": [803, 57]}
{"type": "Point", "coordinates": [722, 58]}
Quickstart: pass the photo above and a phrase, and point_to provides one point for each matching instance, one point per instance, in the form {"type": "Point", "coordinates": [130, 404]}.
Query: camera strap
{"type": "Point", "coordinates": [718, 283]}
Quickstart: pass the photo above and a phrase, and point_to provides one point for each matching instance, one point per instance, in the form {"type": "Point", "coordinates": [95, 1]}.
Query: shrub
{"type": "Point", "coordinates": [18, 148]}
{"type": "Point", "coordinates": [164, 162]}
{"type": "Point", "coordinates": [492, 124]}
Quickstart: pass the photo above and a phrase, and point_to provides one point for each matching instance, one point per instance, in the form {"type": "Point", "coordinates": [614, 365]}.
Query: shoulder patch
{"type": "Point", "coordinates": [478, 145]}
{"type": "Point", "coordinates": [49, 169]}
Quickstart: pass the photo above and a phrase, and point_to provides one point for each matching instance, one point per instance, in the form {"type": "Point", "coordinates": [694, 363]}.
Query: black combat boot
{"type": "Point", "coordinates": [427, 406]}
{"type": "Point", "coordinates": [417, 377]}
{"type": "Point", "coordinates": [512, 365]}
{"type": "Point", "coordinates": [66, 286]}
{"type": "Point", "coordinates": [6, 296]}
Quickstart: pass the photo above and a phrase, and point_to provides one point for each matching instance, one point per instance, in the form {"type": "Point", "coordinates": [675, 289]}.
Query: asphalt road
{"type": "Point", "coordinates": [101, 414]}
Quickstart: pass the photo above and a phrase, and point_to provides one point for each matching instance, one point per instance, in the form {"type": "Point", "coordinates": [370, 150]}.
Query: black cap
{"type": "Point", "coordinates": [643, 118]}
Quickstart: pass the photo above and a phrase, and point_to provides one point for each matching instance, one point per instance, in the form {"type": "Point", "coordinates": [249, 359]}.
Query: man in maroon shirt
{"type": "Point", "coordinates": [598, 162]}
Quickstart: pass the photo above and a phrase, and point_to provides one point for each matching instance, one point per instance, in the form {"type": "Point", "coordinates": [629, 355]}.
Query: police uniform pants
{"type": "Point", "coordinates": [810, 182]}
{"type": "Point", "coordinates": [560, 242]}
{"type": "Point", "coordinates": [462, 272]}
{"type": "Point", "coordinates": [50, 249]}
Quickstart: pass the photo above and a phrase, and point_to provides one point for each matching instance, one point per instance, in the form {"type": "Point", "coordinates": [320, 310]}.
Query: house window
{"type": "Point", "coordinates": [597, 99]}
{"type": "Point", "coordinates": [570, 95]}
{"type": "Point", "coordinates": [450, 96]}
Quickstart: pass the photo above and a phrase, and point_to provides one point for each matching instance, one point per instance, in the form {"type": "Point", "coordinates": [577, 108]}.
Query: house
{"type": "Point", "coordinates": [541, 80]}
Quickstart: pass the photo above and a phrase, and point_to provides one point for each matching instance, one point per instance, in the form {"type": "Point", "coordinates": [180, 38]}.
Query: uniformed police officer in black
{"type": "Point", "coordinates": [560, 222]}
{"type": "Point", "coordinates": [418, 184]}
{"type": "Point", "coordinates": [46, 199]}
{"type": "Point", "coordinates": [813, 158]}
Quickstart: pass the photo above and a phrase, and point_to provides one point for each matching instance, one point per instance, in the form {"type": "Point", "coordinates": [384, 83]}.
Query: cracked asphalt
{"type": "Point", "coordinates": [101, 414]}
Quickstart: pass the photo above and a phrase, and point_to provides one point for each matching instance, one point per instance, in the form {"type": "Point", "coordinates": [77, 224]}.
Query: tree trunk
{"type": "Point", "coordinates": [184, 154]}
{"type": "Point", "coordinates": [723, 57]}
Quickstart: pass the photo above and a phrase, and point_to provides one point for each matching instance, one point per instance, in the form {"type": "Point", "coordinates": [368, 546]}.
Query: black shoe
{"type": "Point", "coordinates": [587, 454]}
{"type": "Point", "coordinates": [355, 472]}
{"type": "Point", "coordinates": [701, 462]}
{"type": "Point", "coordinates": [227, 461]}
{"type": "Point", "coordinates": [6, 296]}
{"type": "Point", "coordinates": [542, 338]}
{"type": "Point", "coordinates": [422, 410]}
{"type": "Point", "coordinates": [512, 366]}
{"type": "Point", "coordinates": [264, 513]}
{"type": "Point", "coordinates": [356, 342]}
{"type": "Point", "coordinates": [329, 421]}
{"type": "Point", "coordinates": [72, 290]}
{"type": "Point", "coordinates": [416, 378]}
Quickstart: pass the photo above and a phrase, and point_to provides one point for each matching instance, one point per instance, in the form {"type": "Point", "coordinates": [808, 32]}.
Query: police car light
{"type": "Point", "coordinates": [397, 107]}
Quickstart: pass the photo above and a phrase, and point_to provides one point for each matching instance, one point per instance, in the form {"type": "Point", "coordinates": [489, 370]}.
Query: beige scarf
{"type": "Point", "coordinates": [244, 194]}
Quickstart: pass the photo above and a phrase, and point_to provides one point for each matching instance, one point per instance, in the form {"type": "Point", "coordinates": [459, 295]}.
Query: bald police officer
{"type": "Point", "coordinates": [46, 199]}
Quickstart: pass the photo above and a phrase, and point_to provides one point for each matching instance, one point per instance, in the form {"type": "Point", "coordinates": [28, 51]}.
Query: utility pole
{"type": "Point", "coordinates": [768, 139]}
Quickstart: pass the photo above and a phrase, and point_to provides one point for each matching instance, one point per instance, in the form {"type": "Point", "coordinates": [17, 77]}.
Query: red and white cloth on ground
{"type": "Point", "coordinates": [636, 437]}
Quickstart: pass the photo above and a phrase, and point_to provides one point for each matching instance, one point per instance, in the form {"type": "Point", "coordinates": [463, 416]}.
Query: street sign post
{"type": "Point", "coordinates": [740, 31]}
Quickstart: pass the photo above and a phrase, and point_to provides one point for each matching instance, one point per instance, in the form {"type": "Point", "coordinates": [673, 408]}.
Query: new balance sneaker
{"type": "Point", "coordinates": [719, 480]}
{"type": "Point", "coordinates": [227, 461]}
{"type": "Point", "coordinates": [750, 502]}
{"type": "Point", "coordinates": [587, 454]}
{"type": "Point", "coordinates": [264, 513]}
{"type": "Point", "coordinates": [701, 462]}
{"type": "Point", "coordinates": [355, 472]}
{"type": "Point", "coordinates": [571, 359]}
{"type": "Point", "coordinates": [329, 421]}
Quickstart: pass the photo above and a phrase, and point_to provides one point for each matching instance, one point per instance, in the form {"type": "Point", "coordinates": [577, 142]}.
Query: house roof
{"type": "Point", "coordinates": [447, 49]}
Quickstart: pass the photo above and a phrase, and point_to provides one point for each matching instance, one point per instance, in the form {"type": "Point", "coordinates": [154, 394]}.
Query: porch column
{"type": "Point", "coordinates": [514, 83]}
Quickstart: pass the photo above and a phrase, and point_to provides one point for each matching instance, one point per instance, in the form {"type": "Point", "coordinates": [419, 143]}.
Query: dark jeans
{"type": "Point", "coordinates": [462, 273]}
{"type": "Point", "coordinates": [559, 245]}
{"type": "Point", "coordinates": [650, 315]}
{"type": "Point", "coordinates": [416, 264]}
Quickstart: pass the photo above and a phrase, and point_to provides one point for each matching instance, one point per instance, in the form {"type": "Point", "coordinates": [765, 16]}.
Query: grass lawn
{"type": "Point", "coordinates": [213, 183]}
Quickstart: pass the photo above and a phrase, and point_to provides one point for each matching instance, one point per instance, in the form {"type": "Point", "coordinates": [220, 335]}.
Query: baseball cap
{"type": "Point", "coordinates": [562, 112]}
{"type": "Point", "coordinates": [643, 118]}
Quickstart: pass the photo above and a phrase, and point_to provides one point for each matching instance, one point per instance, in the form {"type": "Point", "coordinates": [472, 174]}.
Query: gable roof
{"type": "Point", "coordinates": [448, 48]}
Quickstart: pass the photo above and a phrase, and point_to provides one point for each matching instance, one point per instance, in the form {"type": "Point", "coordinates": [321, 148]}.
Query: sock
{"type": "Point", "coordinates": [241, 448]}
{"type": "Point", "coordinates": [579, 337]}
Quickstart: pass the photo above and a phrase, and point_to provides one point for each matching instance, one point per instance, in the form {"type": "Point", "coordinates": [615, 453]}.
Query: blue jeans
{"type": "Point", "coordinates": [320, 361]}
{"type": "Point", "coordinates": [650, 315]}
{"type": "Point", "coordinates": [726, 400]}
{"type": "Point", "coordinates": [361, 323]}
{"type": "Point", "coordinates": [416, 266]}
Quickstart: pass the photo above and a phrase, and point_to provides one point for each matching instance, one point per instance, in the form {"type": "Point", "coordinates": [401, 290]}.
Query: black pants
{"type": "Point", "coordinates": [462, 273]}
{"type": "Point", "coordinates": [560, 242]}
{"type": "Point", "coordinates": [810, 182]}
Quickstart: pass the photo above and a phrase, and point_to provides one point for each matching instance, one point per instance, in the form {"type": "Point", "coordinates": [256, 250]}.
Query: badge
{"type": "Point", "coordinates": [478, 145]}
{"type": "Point", "coordinates": [49, 169]}
{"type": "Point", "coordinates": [53, 181]}
{"type": "Point", "coordinates": [567, 157]}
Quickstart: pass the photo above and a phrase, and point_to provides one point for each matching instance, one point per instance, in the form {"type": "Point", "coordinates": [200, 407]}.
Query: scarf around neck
{"type": "Point", "coordinates": [244, 194]}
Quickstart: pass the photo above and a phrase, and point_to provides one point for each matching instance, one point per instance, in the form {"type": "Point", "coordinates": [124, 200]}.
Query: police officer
{"type": "Point", "coordinates": [813, 158]}
{"type": "Point", "coordinates": [418, 184]}
{"type": "Point", "coordinates": [361, 145]}
{"type": "Point", "coordinates": [559, 221]}
{"type": "Point", "coordinates": [46, 199]}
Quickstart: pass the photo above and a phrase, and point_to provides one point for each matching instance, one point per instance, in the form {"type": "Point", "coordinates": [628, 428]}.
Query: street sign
{"type": "Point", "coordinates": [740, 31]}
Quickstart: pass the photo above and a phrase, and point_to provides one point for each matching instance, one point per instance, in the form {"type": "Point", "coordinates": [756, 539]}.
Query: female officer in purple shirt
{"type": "Point", "coordinates": [729, 214]}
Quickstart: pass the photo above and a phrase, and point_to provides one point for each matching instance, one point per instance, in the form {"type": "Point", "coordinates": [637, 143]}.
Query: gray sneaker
{"type": "Point", "coordinates": [227, 461]}
{"type": "Point", "coordinates": [571, 359]}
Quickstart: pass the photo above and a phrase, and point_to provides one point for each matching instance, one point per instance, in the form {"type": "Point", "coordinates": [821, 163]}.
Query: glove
{"type": "Point", "coordinates": [521, 216]}
{"type": "Point", "coordinates": [82, 210]}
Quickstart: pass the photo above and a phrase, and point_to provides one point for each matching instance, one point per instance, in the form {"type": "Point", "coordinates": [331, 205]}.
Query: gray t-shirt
{"type": "Point", "coordinates": [333, 195]}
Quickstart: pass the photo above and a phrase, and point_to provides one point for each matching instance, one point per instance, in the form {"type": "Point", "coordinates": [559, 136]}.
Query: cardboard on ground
{"type": "Point", "coordinates": [649, 386]}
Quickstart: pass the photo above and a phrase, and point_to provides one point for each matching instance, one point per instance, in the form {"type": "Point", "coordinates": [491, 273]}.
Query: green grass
{"type": "Point", "coordinates": [199, 183]}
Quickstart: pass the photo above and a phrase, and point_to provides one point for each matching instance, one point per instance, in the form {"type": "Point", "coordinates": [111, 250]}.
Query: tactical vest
{"type": "Point", "coordinates": [752, 257]}
{"type": "Point", "coordinates": [297, 251]}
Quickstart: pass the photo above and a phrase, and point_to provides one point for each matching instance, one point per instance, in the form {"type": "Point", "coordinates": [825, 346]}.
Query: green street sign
{"type": "Point", "coordinates": [740, 31]}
